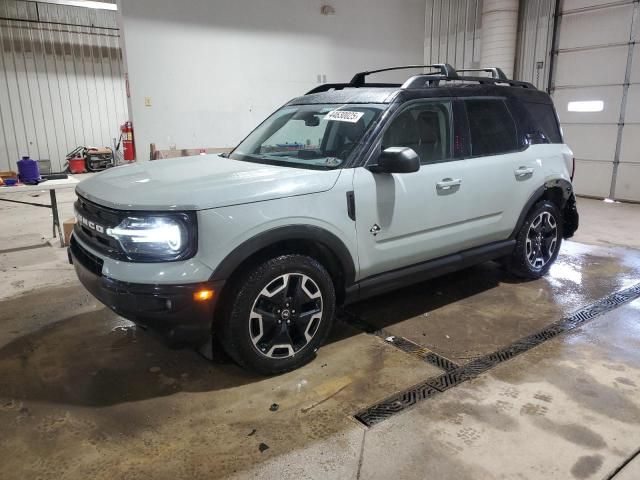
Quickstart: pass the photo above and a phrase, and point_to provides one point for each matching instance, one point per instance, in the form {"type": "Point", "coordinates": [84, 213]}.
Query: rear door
{"type": "Point", "coordinates": [501, 174]}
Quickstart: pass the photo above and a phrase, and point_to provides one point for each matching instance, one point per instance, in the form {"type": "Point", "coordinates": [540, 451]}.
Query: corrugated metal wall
{"type": "Point", "coordinates": [535, 32]}
{"type": "Point", "coordinates": [452, 32]}
{"type": "Point", "coordinates": [61, 80]}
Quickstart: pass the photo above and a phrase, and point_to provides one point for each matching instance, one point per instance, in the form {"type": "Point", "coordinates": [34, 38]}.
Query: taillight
{"type": "Point", "coordinates": [573, 167]}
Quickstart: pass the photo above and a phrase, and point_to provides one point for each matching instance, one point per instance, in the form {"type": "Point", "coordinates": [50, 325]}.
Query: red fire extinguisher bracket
{"type": "Point", "coordinates": [128, 145]}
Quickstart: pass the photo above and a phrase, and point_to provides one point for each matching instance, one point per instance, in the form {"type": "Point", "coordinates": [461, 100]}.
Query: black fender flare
{"type": "Point", "coordinates": [567, 193]}
{"type": "Point", "coordinates": [289, 233]}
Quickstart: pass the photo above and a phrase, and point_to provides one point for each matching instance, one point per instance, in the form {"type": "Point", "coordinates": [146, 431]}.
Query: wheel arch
{"type": "Point", "coordinates": [310, 240]}
{"type": "Point", "coordinates": [558, 191]}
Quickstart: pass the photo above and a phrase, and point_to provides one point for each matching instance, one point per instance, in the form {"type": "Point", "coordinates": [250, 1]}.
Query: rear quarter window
{"type": "Point", "coordinates": [491, 126]}
{"type": "Point", "coordinates": [544, 119]}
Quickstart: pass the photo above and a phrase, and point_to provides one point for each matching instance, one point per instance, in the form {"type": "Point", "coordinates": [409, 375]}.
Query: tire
{"type": "Point", "coordinates": [537, 242]}
{"type": "Point", "coordinates": [278, 314]}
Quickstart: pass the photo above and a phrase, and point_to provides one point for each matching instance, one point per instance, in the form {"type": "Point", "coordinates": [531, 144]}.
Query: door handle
{"type": "Point", "coordinates": [448, 183]}
{"type": "Point", "coordinates": [522, 172]}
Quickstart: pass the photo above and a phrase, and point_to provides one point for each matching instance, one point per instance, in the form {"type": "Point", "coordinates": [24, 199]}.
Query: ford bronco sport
{"type": "Point", "coordinates": [343, 193]}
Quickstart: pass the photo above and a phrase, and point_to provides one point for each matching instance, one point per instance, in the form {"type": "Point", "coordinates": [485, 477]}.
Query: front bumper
{"type": "Point", "coordinates": [167, 309]}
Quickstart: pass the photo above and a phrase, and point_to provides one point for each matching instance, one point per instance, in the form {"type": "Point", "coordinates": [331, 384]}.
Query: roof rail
{"type": "Point", "coordinates": [495, 72]}
{"type": "Point", "coordinates": [339, 86]}
{"type": "Point", "coordinates": [445, 69]}
{"type": "Point", "coordinates": [422, 81]}
{"type": "Point", "coordinates": [444, 72]}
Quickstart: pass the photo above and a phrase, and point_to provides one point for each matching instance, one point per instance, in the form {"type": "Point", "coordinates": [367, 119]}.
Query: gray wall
{"type": "Point", "coordinates": [61, 85]}
{"type": "Point", "coordinates": [452, 32]}
{"type": "Point", "coordinates": [211, 71]}
{"type": "Point", "coordinates": [535, 33]}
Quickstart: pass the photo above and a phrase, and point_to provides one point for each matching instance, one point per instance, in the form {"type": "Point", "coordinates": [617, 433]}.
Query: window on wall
{"type": "Point", "coordinates": [492, 128]}
{"type": "Point", "coordinates": [425, 128]}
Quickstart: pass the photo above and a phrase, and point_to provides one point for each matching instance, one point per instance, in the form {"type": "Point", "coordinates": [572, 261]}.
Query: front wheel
{"type": "Point", "coordinates": [278, 314]}
{"type": "Point", "coordinates": [538, 242]}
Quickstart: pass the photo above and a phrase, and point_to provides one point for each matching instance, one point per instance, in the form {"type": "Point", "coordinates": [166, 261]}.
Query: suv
{"type": "Point", "coordinates": [346, 192]}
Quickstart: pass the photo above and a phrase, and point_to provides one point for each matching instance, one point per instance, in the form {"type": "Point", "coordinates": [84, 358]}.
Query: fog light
{"type": "Point", "coordinates": [203, 295]}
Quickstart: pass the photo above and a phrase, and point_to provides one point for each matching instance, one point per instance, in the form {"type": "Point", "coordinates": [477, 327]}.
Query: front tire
{"type": "Point", "coordinates": [278, 314]}
{"type": "Point", "coordinates": [538, 242]}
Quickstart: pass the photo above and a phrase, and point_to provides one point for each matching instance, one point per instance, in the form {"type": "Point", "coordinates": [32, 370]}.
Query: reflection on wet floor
{"type": "Point", "coordinates": [474, 312]}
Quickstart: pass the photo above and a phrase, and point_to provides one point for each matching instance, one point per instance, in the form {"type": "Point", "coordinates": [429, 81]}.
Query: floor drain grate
{"type": "Point", "coordinates": [401, 343]}
{"type": "Point", "coordinates": [432, 386]}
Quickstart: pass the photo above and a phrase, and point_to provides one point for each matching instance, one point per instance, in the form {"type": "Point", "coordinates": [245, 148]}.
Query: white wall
{"type": "Point", "coordinates": [214, 69]}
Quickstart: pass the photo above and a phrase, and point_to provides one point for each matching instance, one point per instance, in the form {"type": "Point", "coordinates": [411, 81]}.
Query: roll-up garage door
{"type": "Point", "coordinates": [596, 89]}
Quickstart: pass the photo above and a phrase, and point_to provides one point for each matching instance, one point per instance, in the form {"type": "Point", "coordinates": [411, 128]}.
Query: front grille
{"type": "Point", "coordinates": [87, 259]}
{"type": "Point", "coordinates": [92, 226]}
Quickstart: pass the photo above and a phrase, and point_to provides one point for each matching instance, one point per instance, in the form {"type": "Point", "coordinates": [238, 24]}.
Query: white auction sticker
{"type": "Point", "coordinates": [344, 116]}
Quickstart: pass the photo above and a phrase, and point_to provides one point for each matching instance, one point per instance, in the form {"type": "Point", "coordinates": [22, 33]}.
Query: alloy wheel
{"type": "Point", "coordinates": [542, 240]}
{"type": "Point", "coordinates": [285, 315]}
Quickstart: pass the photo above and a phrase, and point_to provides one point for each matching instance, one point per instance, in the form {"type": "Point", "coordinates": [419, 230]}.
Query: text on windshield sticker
{"type": "Point", "coordinates": [344, 116]}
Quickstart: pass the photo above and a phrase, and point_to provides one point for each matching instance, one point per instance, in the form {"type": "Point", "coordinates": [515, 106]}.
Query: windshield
{"type": "Point", "coordinates": [311, 136]}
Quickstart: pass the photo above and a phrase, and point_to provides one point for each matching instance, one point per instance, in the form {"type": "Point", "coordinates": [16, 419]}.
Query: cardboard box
{"type": "Point", "coordinates": [67, 228]}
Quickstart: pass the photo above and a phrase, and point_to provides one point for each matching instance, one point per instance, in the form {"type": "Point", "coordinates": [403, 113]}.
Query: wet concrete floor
{"type": "Point", "coordinates": [471, 313]}
{"type": "Point", "coordinates": [84, 394]}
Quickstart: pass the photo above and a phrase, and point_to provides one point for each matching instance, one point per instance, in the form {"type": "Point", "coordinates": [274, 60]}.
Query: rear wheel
{"type": "Point", "coordinates": [538, 242]}
{"type": "Point", "coordinates": [278, 314]}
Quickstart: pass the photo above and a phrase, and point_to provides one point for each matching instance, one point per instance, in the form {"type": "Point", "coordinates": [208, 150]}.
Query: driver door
{"type": "Point", "coordinates": [407, 218]}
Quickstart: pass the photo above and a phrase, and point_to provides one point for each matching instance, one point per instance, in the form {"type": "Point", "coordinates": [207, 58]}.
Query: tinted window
{"type": "Point", "coordinates": [425, 128]}
{"type": "Point", "coordinates": [491, 126]}
{"type": "Point", "coordinates": [544, 120]}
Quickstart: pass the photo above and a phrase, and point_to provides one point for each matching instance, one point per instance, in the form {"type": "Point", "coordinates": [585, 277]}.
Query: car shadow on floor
{"type": "Point", "coordinates": [422, 298]}
{"type": "Point", "coordinates": [98, 359]}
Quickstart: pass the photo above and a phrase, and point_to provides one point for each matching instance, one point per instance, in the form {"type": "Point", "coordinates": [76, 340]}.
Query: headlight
{"type": "Point", "coordinates": [157, 237]}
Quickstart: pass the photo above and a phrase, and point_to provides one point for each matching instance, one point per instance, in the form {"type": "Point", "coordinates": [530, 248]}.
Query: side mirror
{"type": "Point", "coordinates": [397, 160]}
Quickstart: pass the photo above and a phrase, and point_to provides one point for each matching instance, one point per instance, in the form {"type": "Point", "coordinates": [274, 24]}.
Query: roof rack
{"type": "Point", "coordinates": [495, 72]}
{"type": "Point", "coordinates": [442, 71]}
{"type": "Point", "coordinates": [445, 70]}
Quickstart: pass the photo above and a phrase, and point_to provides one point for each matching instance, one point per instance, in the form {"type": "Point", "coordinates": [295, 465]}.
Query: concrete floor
{"type": "Point", "coordinates": [84, 394]}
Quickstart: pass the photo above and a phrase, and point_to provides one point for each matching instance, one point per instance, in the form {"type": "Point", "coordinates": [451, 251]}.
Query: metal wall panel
{"type": "Point", "coordinates": [599, 33]}
{"type": "Point", "coordinates": [633, 104]}
{"type": "Point", "coordinates": [635, 67]}
{"type": "Point", "coordinates": [610, 95]}
{"type": "Point", "coordinates": [452, 32]}
{"type": "Point", "coordinates": [61, 80]}
{"type": "Point", "coordinates": [535, 31]}
{"type": "Point", "coordinates": [575, 67]}
{"type": "Point", "coordinates": [630, 150]}
{"type": "Point", "coordinates": [588, 178]}
{"type": "Point", "coordinates": [628, 182]}
{"type": "Point", "coordinates": [591, 142]}
{"type": "Point", "coordinates": [603, 26]}
{"type": "Point", "coordinates": [574, 5]}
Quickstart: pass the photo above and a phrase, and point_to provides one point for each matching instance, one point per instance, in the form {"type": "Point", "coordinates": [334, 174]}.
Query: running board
{"type": "Point", "coordinates": [402, 277]}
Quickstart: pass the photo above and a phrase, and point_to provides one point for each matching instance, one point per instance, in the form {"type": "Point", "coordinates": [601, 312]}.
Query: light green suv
{"type": "Point", "coordinates": [346, 192]}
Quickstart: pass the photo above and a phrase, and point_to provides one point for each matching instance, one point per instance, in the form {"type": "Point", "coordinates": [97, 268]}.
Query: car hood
{"type": "Point", "coordinates": [200, 182]}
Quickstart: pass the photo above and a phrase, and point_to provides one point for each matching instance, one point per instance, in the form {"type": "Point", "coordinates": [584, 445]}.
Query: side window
{"type": "Point", "coordinates": [544, 119]}
{"type": "Point", "coordinates": [491, 126]}
{"type": "Point", "coordinates": [426, 128]}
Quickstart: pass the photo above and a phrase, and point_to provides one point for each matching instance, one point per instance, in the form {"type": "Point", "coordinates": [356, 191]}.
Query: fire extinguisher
{"type": "Point", "coordinates": [128, 147]}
